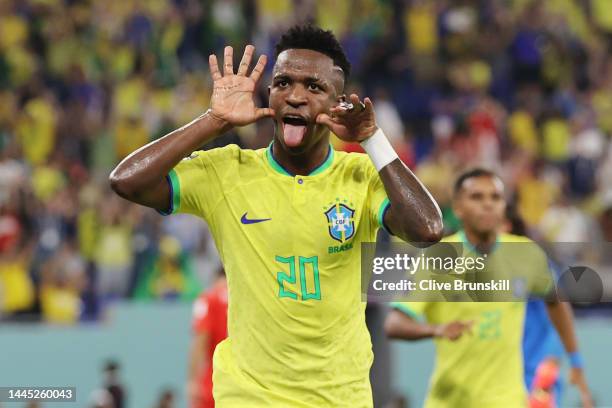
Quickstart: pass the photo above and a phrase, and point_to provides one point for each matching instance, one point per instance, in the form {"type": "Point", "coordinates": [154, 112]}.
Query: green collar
{"type": "Point", "coordinates": [471, 246]}
{"type": "Point", "coordinates": [280, 169]}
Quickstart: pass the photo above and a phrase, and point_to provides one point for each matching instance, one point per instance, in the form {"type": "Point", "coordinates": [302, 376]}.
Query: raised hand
{"type": "Point", "coordinates": [453, 330]}
{"type": "Point", "coordinates": [232, 98]}
{"type": "Point", "coordinates": [351, 125]}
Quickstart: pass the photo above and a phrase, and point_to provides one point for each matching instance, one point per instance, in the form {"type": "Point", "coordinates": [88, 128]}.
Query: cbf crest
{"type": "Point", "coordinates": [340, 221]}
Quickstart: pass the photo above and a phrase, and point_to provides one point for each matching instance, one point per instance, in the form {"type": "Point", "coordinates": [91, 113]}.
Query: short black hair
{"type": "Point", "coordinates": [517, 223]}
{"type": "Point", "coordinates": [313, 38]}
{"type": "Point", "coordinates": [111, 365]}
{"type": "Point", "coordinates": [473, 173]}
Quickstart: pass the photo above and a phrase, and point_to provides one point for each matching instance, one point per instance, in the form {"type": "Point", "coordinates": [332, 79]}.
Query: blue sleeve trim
{"type": "Point", "coordinates": [382, 210]}
{"type": "Point", "coordinates": [174, 196]}
{"type": "Point", "coordinates": [171, 204]}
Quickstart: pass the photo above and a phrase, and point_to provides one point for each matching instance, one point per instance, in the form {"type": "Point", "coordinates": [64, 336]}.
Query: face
{"type": "Point", "coordinates": [606, 224]}
{"type": "Point", "coordinates": [305, 83]}
{"type": "Point", "coordinates": [480, 204]}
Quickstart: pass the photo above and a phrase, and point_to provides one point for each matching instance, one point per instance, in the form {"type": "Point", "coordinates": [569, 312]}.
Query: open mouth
{"type": "Point", "coordinates": [294, 130]}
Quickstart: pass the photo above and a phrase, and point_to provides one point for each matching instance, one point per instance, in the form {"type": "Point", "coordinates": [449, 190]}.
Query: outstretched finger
{"type": "Point", "coordinates": [246, 60]}
{"type": "Point", "coordinates": [259, 68]}
{"type": "Point", "coordinates": [214, 67]}
{"type": "Point", "coordinates": [359, 106]}
{"type": "Point", "coordinates": [263, 112]}
{"type": "Point", "coordinates": [469, 324]}
{"type": "Point", "coordinates": [369, 106]}
{"type": "Point", "coordinates": [228, 61]}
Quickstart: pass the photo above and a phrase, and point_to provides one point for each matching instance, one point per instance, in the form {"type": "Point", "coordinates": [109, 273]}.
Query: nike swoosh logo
{"type": "Point", "coordinates": [245, 220]}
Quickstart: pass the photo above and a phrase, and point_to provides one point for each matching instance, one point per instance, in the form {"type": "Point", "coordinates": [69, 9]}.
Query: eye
{"type": "Point", "coordinates": [282, 83]}
{"type": "Point", "coordinates": [313, 87]}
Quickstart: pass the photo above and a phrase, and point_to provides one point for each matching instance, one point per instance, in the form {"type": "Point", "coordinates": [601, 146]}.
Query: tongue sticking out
{"type": "Point", "coordinates": [293, 134]}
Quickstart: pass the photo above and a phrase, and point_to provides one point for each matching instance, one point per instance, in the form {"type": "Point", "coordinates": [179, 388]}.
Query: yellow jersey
{"type": "Point", "coordinates": [484, 368]}
{"type": "Point", "coordinates": [291, 250]}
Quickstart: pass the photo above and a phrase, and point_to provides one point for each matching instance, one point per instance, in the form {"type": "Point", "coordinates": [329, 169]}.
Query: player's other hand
{"type": "Point", "coordinates": [232, 98]}
{"type": "Point", "coordinates": [454, 330]}
{"type": "Point", "coordinates": [577, 378]}
{"type": "Point", "coordinates": [351, 125]}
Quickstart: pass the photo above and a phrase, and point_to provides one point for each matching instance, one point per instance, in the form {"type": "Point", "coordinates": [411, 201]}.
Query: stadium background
{"type": "Point", "coordinates": [523, 87]}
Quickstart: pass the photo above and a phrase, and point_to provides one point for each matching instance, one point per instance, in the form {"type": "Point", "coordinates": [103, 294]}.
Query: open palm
{"type": "Point", "coordinates": [232, 98]}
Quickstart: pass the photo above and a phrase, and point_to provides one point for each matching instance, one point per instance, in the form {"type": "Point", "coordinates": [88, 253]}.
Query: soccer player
{"type": "Point", "coordinates": [209, 329]}
{"type": "Point", "coordinates": [478, 344]}
{"type": "Point", "coordinates": [288, 221]}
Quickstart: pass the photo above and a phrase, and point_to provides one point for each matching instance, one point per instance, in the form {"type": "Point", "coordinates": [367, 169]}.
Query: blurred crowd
{"type": "Point", "coordinates": [523, 87]}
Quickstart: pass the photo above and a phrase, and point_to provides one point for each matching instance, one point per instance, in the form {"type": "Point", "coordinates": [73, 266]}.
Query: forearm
{"type": "Point", "coordinates": [414, 215]}
{"type": "Point", "coordinates": [144, 169]}
{"type": "Point", "coordinates": [561, 316]}
{"type": "Point", "coordinates": [194, 363]}
{"type": "Point", "coordinates": [196, 357]}
{"type": "Point", "coordinates": [400, 326]}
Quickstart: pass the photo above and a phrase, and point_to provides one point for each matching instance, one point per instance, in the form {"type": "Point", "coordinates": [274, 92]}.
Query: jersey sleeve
{"type": "Point", "coordinates": [378, 202]}
{"type": "Point", "coordinates": [196, 181]}
{"type": "Point", "coordinates": [543, 283]}
{"type": "Point", "coordinates": [201, 320]}
{"type": "Point", "coordinates": [541, 274]}
{"type": "Point", "coordinates": [416, 310]}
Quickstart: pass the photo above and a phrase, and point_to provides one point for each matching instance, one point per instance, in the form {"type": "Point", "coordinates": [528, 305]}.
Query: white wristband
{"type": "Point", "coordinates": [379, 149]}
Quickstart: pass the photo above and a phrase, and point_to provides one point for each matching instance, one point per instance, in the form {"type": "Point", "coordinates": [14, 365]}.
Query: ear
{"type": "Point", "coordinates": [457, 208]}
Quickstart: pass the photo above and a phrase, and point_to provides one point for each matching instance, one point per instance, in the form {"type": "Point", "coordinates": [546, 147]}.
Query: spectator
{"type": "Point", "coordinates": [170, 274]}
{"type": "Point", "coordinates": [166, 399]}
{"type": "Point", "coordinates": [113, 254]}
{"type": "Point", "coordinates": [17, 292]}
{"type": "Point", "coordinates": [113, 385]}
{"type": "Point", "coordinates": [63, 281]}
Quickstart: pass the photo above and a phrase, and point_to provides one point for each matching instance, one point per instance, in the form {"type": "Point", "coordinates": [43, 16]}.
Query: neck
{"type": "Point", "coordinates": [482, 241]}
{"type": "Point", "coordinates": [305, 162]}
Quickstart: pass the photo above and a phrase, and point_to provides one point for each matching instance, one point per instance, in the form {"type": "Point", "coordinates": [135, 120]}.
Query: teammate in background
{"type": "Point", "coordinates": [288, 221]}
{"type": "Point", "coordinates": [209, 329]}
{"type": "Point", "coordinates": [481, 366]}
{"type": "Point", "coordinates": [542, 348]}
